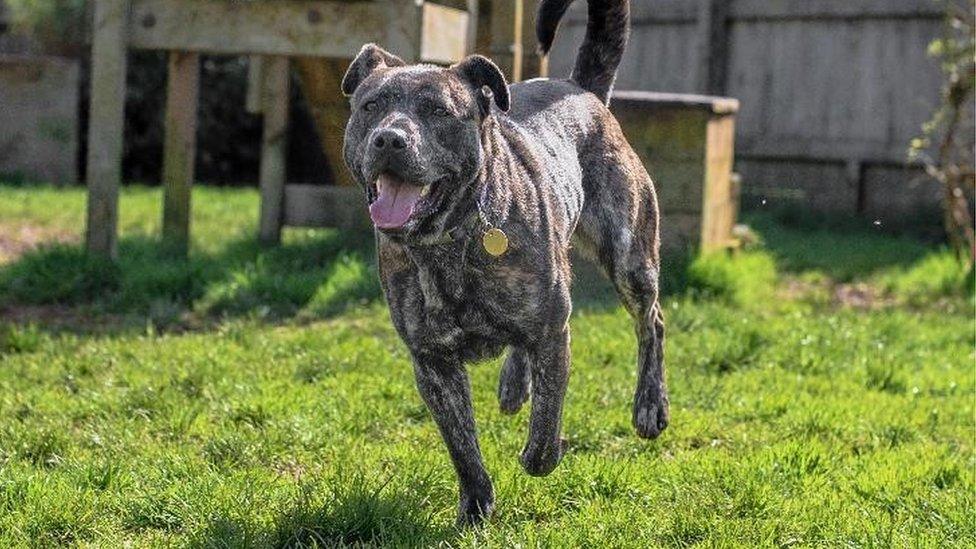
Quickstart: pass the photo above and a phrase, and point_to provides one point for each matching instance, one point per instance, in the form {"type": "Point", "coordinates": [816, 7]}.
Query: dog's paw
{"type": "Point", "coordinates": [475, 507]}
{"type": "Point", "coordinates": [651, 416]}
{"type": "Point", "coordinates": [540, 460]}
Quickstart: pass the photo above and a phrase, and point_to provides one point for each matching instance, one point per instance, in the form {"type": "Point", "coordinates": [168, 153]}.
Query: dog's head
{"type": "Point", "coordinates": [413, 140]}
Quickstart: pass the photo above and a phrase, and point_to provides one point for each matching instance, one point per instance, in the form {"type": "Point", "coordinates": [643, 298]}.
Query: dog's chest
{"type": "Point", "coordinates": [467, 306]}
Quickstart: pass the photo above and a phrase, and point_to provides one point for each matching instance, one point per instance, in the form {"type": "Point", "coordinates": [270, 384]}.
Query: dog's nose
{"type": "Point", "coordinates": [389, 138]}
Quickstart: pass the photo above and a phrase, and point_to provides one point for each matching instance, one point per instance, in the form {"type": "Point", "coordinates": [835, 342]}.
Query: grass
{"type": "Point", "coordinates": [259, 397]}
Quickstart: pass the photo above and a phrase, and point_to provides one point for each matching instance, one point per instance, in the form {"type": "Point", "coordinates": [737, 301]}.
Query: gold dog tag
{"type": "Point", "coordinates": [495, 241]}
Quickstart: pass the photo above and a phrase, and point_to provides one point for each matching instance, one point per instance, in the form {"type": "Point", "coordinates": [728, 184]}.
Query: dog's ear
{"type": "Point", "coordinates": [370, 58]}
{"type": "Point", "coordinates": [481, 73]}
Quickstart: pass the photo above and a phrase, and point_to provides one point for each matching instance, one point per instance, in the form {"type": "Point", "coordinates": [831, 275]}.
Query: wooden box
{"type": "Point", "coordinates": [687, 145]}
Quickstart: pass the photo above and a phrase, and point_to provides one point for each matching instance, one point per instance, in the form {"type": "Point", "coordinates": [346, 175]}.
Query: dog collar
{"type": "Point", "coordinates": [454, 234]}
{"type": "Point", "coordinates": [493, 240]}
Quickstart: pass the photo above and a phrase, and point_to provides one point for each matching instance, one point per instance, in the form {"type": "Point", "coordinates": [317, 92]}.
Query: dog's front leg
{"type": "Point", "coordinates": [445, 388]}
{"type": "Point", "coordinates": [550, 375]}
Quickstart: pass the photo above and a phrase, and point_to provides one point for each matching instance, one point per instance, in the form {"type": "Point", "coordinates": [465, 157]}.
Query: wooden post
{"type": "Point", "coordinates": [533, 64]}
{"type": "Point", "coordinates": [405, 28]}
{"type": "Point", "coordinates": [719, 202]}
{"type": "Point", "coordinates": [106, 124]}
{"type": "Point", "coordinates": [712, 45]}
{"type": "Point", "coordinates": [506, 37]}
{"type": "Point", "coordinates": [473, 16]}
{"type": "Point", "coordinates": [179, 147]}
{"type": "Point", "coordinates": [274, 148]}
{"type": "Point", "coordinates": [255, 84]}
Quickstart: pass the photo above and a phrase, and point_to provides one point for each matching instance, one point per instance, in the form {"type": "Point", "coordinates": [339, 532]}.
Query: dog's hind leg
{"type": "Point", "coordinates": [625, 245]}
{"type": "Point", "coordinates": [445, 389]}
{"type": "Point", "coordinates": [651, 403]}
{"type": "Point", "coordinates": [636, 281]}
{"type": "Point", "coordinates": [514, 381]}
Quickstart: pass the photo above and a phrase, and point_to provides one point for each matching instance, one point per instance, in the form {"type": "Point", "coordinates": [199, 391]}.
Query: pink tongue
{"type": "Point", "coordinates": [394, 204]}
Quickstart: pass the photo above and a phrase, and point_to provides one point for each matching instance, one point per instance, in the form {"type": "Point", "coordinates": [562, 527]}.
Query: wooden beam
{"type": "Point", "coordinates": [793, 10]}
{"type": "Point", "coordinates": [713, 45]}
{"type": "Point", "coordinates": [179, 147]}
{"type": "Point", "coordinates": [474, 16]}
{"type": "Point", "coordinates": [274, 148]}
{"type": "Point", "coordinates": [506, 37]}
{"type": "Point", "coordinates": [445, 34]}
{"type": "Point", "coordinates": [106, 124]}
{"type": "Point", "coordinates": [838, 150]}
{"type": "Point", "coordinates": [533, 64]}
{"type": "Point", "coordinates": [326, 28]}
{"type": "Point", "coordinates": [404, 28]}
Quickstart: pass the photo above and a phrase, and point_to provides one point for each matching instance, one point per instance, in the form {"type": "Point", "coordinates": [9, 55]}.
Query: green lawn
{"type": "Point", "coordinates": [260, 397]}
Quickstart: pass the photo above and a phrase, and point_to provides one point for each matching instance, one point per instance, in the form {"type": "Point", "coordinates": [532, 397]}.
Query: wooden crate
{"type": "Point", "coordinates": [687, 144]}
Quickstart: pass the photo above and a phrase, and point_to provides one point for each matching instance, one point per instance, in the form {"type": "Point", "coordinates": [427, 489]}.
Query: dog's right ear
{"type": "Point", "coordinates": [370, 58]}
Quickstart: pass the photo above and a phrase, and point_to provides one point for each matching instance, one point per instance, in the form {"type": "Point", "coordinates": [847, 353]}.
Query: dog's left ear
{"type": "Point", "coordinates": [480, 72]}
{"type": "Point", "coordinates": [370, 58]}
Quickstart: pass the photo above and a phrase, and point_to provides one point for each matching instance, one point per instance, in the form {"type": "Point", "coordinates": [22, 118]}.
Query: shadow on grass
{"type": "Point", "coordinates": [318, 275]}
{"type": "Point", "coordinates": [593, 292]}
{"type": "Point", "coordinates": [352, 519]}
{"type": "Point", "coordinates": [321, 274]}
{"type": "Point", "coordinates": [843, 248]}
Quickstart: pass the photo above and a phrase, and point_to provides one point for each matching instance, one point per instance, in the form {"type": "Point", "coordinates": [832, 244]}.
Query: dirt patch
{"type": "Point", "coordinates": [62, 317]}
{"type": "Point", "coordinates": [855, 295]}
{"type": "Point", "coordinates": [861, 296]}
{"type": "Point", "coordinates": [20, 238]}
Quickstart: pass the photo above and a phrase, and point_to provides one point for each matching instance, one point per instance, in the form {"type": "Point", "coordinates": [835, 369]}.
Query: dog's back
{"type": "Point", "coordinates": [571, 116]}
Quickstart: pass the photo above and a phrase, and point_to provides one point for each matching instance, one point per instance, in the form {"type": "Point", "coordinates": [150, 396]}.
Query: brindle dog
{"type": "Point", "coordinates": [446, 154]}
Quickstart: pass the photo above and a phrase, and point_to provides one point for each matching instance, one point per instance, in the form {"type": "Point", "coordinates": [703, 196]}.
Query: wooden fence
{"type": "Point", "coordinates": [831, 91]}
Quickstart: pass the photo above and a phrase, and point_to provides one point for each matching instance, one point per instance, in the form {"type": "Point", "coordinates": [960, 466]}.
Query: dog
{"type": "Point", "coordinates": [478, 191]}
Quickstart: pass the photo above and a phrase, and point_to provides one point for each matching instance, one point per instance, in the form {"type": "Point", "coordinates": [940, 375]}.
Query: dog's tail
{"type": "Point", "coordinates": [607, 31]}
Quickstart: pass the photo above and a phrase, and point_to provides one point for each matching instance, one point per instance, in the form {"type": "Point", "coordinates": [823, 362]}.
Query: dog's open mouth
{"type": "Point", "coordinates": [394, 201]}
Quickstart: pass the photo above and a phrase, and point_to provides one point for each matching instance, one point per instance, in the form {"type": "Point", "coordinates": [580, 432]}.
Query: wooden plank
{"type": "Point", "coordinates": [445, 34]}
{"type": "Point", "coordinates": [179, 147]}
{"type": "Point", "coordinates": [533, 64]}
{"type": "Point", "coordinates": [817, 149]}
{"type": "Point", "coordinates": [506, 37]}
{"type": "Point", "coordinates": [327, 28]}
{"type": "Point", "coordinates": [713, 45]}
{"type": "Point", "coordinates": [274, 148]}
{"type": "Point", "coordinates": [765, 10]}
{"type": "Point", "coordinates": [719, 205]}
{"type": "Point", "coordinates": [106, 122]}
{"type": "Point", "coordinates": [658, 100]}
{"type": "Point", "coordinates": [325, 206]}
{"type": "Point", "coordinates": [404, 28]}
{"type": "Point", "coordinates": [474, 17]}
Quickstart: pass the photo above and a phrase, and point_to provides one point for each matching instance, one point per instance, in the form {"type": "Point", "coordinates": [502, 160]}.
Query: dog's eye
{"type": "Point", "coordinates": [441, 111]}
{"type": "Point", "coordinates": [370, 106]}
